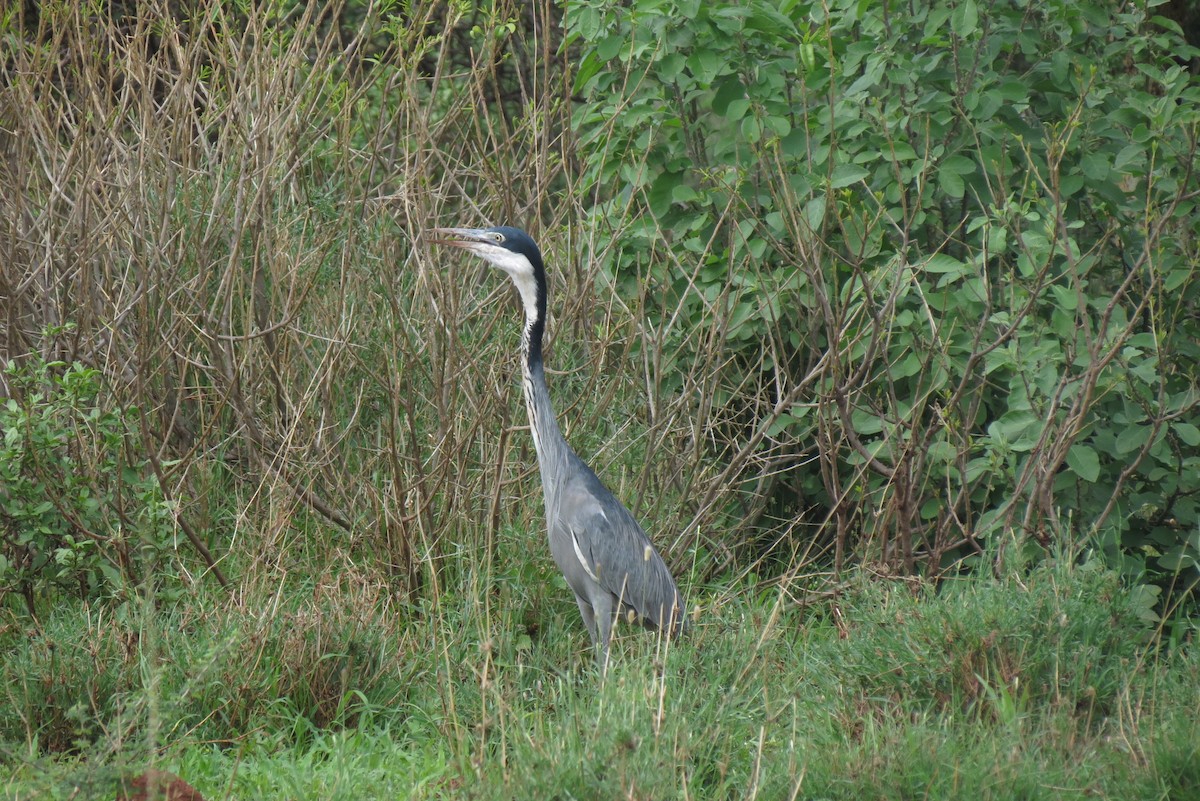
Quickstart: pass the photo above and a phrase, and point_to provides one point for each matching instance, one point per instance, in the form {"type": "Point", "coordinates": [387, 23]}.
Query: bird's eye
{"type": "Point", "coordinates": [496, 235]}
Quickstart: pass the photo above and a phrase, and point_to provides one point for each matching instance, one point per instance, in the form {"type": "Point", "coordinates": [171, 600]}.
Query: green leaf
{"type": "Point", "coordinates": [751, 129]}
{"type": "Point", "coordinates": [814, 213]}
{"type": "Point", "coordinates": [1178, 558]}
{"type": "Point", "coordinates": [1128, 156]}
{"type": "Point", "coordinates": [706, 65]}
{"type": "Point", "coordinates": [959, 165]}
{"type": "Point", "coordinates": [846, 174]}
{"type": "Point", "coordinates": [670, 66]}
{"type": "Point", "coordinates": [1177, 276]}
{"type": "Point", "coordinates": [1066, 298]}
{"type": "Point", "coordinates": [737, 109]}
{"type": "Point", "coordinates": [780, 126]}
{"type": "Point", "coordinates": [729, 89]}
{"type": "Point", "coordinates": [1188, 434]}
{"type": "Point", "coordinates": [952, 184]}
{"type": "Point", "coordinates": [585, 21]}
{"type": "Point", "coordinates": [662, 192]}
{"type": "Point", "coordinates": [1084, 461]}
{"type": "Point", "coordinates": [764, 17]}
{"type": "Point", "coordinates": [942, 263]}
{"type": "Point", "coordinates": [908, 365]}
{"type": "Point", "coordinates": [1020, 430]}
{"type": "Point", "coordinates": [1014, 91]}
{"type": "Point", "coordinates": [609, 47]}
{"type": "Point", "coordinates": [684, 194]}
{"type": "Point", "coordinates": [1070, 185]}
{"type": "Point", "coordinates": [1095, 166]}
{"type": "Point", "coordinates": [729, 19]}
{"type": "Point", "coordinates": [964, 19]}
{"type": "Point", "coordinates": [865, 422]}
{"type": "Point", "coordinates": [1131, 438]}
{"type": "Point", "coordinates": [977, 467]}
{"type": "Point", "coordinates": [589, 68]}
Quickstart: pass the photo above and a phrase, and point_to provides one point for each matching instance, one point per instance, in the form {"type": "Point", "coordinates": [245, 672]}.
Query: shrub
{"type": "Point", "coordinates": [942, 253]}
{"type": "Point", "coordinates": [81, 512]}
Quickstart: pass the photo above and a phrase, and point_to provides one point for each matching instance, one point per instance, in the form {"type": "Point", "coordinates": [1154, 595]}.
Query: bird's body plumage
{"type": "Point", "coordinates": [605, 556]}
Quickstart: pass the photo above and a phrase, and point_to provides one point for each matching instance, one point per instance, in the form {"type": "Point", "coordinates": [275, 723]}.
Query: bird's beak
{"type": "Point", "coordinates": [465, 238]}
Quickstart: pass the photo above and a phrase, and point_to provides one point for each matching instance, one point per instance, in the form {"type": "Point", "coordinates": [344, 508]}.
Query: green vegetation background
{"type": "Point", "coordinates": [883, 318]}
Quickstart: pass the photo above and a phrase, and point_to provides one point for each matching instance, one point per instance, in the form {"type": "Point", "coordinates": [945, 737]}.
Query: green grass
{"type": "Point", "coordinates": [1048, 685]}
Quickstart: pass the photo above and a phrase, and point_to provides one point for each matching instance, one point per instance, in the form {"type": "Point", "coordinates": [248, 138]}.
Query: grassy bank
{"type": "Point", "coordinates": [1051, 684]}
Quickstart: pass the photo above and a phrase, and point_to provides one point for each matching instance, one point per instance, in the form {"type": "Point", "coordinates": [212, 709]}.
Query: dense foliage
{"type": "Point", "coordinates": [949, 248]}
{"type": "Point", "coordinates": [81, 512]}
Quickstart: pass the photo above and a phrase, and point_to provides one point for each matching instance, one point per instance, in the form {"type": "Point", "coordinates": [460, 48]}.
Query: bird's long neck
{"type": "Point", "coordinates": [547, 437]}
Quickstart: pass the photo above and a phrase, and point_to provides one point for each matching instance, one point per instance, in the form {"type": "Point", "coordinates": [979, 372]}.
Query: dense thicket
{"type": "Point", "coordinates": [218, 337]}
{"type": "Point", "coordinates": [847, 280]}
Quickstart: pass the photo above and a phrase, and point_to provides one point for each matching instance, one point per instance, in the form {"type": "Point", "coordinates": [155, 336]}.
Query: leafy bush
{"type": "Point", "coordinates": [946, 251]}
{"type": "Point", "coordinates": [81, 513]}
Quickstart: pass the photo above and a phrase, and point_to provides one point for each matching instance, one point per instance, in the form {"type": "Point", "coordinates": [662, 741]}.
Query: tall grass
{"type": "Point", "coordinates": [1044, 684]}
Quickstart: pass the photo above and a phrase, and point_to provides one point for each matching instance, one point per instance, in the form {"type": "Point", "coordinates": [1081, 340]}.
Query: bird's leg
{"type": "Point", "coordinates": [604, 623]}
{"type": "Point", "coordinates": [589, 617]}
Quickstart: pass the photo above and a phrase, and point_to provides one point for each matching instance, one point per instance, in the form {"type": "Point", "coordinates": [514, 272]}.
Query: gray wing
{"type": "Point", "coordinates": [618, 556]}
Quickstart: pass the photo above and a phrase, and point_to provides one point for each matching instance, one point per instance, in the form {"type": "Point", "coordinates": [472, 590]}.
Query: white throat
{"type": "Point", "coordinates": [528, 289]}
{"type": "Point", "coordinates": [520, 271]}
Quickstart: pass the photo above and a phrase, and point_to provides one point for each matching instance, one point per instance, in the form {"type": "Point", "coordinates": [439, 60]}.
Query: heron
{"type": "Point", "coordinates": [606, 557]}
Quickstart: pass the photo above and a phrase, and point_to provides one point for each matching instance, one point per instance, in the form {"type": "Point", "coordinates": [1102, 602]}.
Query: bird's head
{"type": "Point", "coordinates": [508, 248]}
